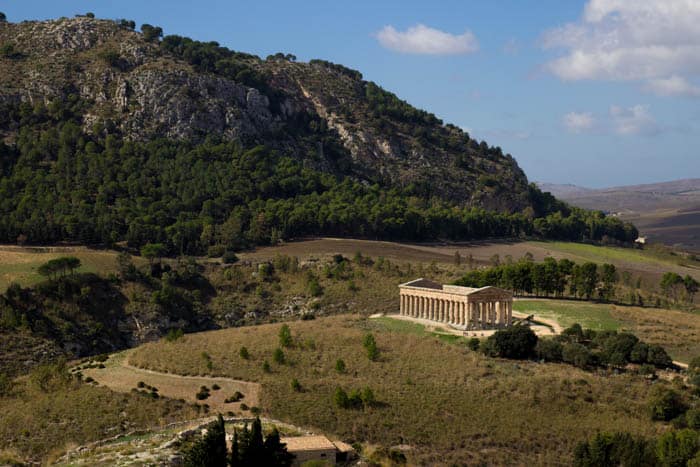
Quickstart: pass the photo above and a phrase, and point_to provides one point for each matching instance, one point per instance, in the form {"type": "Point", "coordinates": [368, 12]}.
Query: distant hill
{"type": "Point", "coordinates": [668, 212]}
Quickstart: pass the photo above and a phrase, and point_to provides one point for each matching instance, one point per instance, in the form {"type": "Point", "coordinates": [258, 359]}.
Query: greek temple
{"type": "Point", "coordinates": [463, 307]}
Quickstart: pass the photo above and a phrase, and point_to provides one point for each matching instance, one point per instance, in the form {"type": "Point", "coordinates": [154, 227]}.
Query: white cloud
{"type": "Point", "coordinates": [421, 39]}
{"type": "Point", "coordinates": [673, 86]}
{"type": "Point", "coordinates": [577, 122]}
{"type": "Point", "coordinates": [633, 120]}
{"type": "Point", "coordinates": [637, 40]}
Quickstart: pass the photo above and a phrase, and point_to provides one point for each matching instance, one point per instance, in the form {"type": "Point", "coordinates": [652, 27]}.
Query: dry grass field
{"type": "Point", "coordinates": [38, 425]}
{"type": "Point", "coordinates": [447, 404]}
{"type": "Point", "coordinates": [20, 265]}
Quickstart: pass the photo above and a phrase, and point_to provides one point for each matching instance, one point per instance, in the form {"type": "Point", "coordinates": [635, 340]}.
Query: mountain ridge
{"type": "Point", "coordinates": [113, 135]}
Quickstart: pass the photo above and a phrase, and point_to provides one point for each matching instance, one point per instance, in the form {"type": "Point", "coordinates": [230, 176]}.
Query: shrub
{"type": "Point", "coordinates": [229, 257]}
{"type": "Point", "coordinates": [174, 335]}
{"type": "Point", "coordinates": [285, 336]}
{"type": "Point", "coordinates": [278, 356]}
{"type": "Point", "coordinates": [266, 367]}
{"type": "Point", "coordinates": [577, 355]}
{"type": "Point", "coordinates": [370, 346]}
{"type": "Point", "coordinates": [203, 393]}
{"type": "Point", "coordinates": [340, 366]}
{"type": "Point", "coordinates": [549, 350]}
{"type": "Point", "coordinates": [5, 385]}
{"type": "Point", "coordinates": [692, 418]}
{"type": "Point", "coordinates": [215, 387]}
{"type": "Point", "coordinates": [244, 407]}
{"type": "Point", "coordinates": [315, 289]}
{"type": "Point", "coordinates": [367, 396]}
{"type": "Point", "coordinates": [514, 342]}
{"type": "Point", "coordinates": [237, 396]}
{"type": "Point", "coordinates": [296, 385]}
{"type": "Point", "coordinates": [243, 352]}
{"type": "Point", "coordinates": [340, 398]}
{"type": "Point", "coordinates": [473, 344]}
{"type": "Point", "coordinates": [665, 404]}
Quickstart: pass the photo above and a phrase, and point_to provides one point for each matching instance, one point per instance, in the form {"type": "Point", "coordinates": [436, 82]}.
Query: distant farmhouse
{"type": "Point", "coordinates": [464, 307]}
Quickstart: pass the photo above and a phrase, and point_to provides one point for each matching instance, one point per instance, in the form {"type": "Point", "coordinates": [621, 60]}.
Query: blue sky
{"type": "Point", "coordinates": [595, 93]}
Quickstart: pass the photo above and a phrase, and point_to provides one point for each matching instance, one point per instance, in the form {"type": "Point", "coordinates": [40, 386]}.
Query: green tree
{"type": "Point", "coordinates": [370, 346]}
{"type": "Point", "coordinates": [340, 366]}
{"type": "Point", "coordinates": [151, 33]}
{"type": "Point", "coordinates": [514, 342]}
{"type": "Point", "coordinates": [340, 398]}
{"type": "Point", "coordinates": [276, 452]}
{"type": "Point", "coordinates": [608, 276]}
{"type": "Point", "coordinates": [665, 404]}
{"type": "Point", "coordinates": [285, 336]}
{"type": "Point", "coordinates": [278, 356]}
{"type": "Point", "coordinates": [243, 352]}
{"type": "Point", "coordinates": [691, 287]}
{"type": "Point", "coordinates": [153, 251]}
{"type": "Point", "coordinates": [210, 449]}
{"type": "Point", "coordinates": [676, 448]}
{"type": "Point", "coordinates": [670, 285]}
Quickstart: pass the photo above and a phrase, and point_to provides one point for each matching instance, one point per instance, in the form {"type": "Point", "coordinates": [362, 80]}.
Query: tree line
{"type": "Point", "coordinates": [59, 183]}
{"type": "Point", "coordinates": [549, 278]}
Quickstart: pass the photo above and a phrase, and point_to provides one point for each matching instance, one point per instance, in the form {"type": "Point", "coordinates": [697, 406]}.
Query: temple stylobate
{"type": "Point", "coordinates": [464, 307]}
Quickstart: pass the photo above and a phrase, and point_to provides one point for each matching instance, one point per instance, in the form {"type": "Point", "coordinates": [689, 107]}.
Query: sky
{"type": "Point", "coordinates": [594, 93]}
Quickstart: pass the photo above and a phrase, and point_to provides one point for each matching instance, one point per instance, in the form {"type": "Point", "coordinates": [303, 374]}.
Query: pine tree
{"type": "Point", "coordinates": [276, 452]}
{"type": "Point", "coordinates": [210, 449]}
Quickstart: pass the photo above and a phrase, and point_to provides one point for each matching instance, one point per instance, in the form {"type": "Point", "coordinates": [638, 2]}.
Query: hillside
{"type": "Point", "coordinates": [667, 212]}
{"type": "Point", "coordinates": [113, 135]}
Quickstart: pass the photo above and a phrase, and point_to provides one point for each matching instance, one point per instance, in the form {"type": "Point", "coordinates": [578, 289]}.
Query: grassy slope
{"type": "Point", "coordinates": [20, 265]}
{"type": "Point", "coordinates": [449, 404]}
{"type": "Point", "coordinates": [35, 424]}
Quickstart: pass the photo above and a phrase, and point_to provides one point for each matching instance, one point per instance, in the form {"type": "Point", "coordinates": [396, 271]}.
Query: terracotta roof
{"type": "Point", "coordinates": [308, 443]}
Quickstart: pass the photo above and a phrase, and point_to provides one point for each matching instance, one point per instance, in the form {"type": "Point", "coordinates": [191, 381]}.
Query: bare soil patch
{"type": "Point", "coordinates": [120, 376]}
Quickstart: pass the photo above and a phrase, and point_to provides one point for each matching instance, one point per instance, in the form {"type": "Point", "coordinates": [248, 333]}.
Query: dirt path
{"type": "Point", "coordinates": [121, 376]}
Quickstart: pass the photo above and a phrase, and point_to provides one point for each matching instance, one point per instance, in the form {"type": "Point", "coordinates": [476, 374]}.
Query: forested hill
{"type": "Point", "coordinates": [112, 134]}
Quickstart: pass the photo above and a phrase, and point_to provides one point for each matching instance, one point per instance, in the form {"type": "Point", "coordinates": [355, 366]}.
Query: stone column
{"type": "Point", "coordinates": [463, 316]}
{"type": "Point", "coordinates": [453, 311]}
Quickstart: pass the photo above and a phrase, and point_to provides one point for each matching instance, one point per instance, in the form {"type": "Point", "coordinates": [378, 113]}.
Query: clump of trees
{"type": "Point", "coordinates": [59, 267]}
{"type": "Point", "coordinates": [675, 287]}
{"type": "Point", "coordinates": [248, 448]}
{"type": "Point", "coordinates": [549, 278]}
{"type": "Point", "coordinates": [576, 346]}
{"type": "Point", "coordinates": [358, 398]}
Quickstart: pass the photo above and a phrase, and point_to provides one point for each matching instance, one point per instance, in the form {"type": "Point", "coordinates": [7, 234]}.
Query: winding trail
{"type": "Point", "coordinates": [119, 375]}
